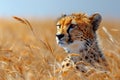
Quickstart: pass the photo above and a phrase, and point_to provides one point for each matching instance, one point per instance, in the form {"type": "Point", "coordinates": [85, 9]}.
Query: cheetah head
{"type": "Point", "coordinates": [74, 30]}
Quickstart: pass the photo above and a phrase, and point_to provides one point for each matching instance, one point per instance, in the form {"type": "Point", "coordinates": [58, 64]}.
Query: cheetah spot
{"type": "Point", "coordinates": [67, 64]}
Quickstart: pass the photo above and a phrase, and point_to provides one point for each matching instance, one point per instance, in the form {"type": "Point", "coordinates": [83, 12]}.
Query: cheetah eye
{"type": "Point", "coordinates": [71, 27]}
{"type": "Point", "coordinates": [58, 26]}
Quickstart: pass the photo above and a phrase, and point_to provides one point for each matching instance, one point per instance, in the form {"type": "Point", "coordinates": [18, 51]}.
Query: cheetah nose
{"type": "Point", "coordinates": [60, 36]}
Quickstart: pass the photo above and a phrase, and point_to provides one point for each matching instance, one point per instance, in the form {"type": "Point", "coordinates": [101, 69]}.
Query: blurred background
{"type": "Point", "coordinates": [32, 54]}
{"type": "Point", "coordinates": [48, 8]}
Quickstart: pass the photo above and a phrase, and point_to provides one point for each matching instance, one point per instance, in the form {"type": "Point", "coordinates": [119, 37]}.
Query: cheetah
{"type": "Point", "coordinates": [76, 34]}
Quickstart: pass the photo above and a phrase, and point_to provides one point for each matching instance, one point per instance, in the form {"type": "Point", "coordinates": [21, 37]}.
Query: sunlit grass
{"type": "Point", "coordinates": [32, 54]}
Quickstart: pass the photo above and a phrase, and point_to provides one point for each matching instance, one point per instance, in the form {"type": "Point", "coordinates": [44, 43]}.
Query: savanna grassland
{"type": "Point", "coordinates": [32, 54]}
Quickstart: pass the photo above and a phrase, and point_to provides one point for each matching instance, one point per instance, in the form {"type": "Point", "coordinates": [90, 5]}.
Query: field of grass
{"type": "Point", "coordinates": [28, 56]}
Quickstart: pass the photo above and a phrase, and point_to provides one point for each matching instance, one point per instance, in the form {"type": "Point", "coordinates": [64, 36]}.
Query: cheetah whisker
{"type": "Point", "coordinates": [74, 54]}
{"type": "Point", "coordinates": [82, 62]}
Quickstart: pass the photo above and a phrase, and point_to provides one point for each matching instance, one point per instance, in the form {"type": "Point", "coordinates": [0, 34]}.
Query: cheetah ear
{"type": "Point", "coordinates": [95, 20]}
{"type": "Point", "coordinates": [63, 15]}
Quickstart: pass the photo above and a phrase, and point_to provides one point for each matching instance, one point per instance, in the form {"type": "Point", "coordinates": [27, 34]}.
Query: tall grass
{"type": "Point", "coordinates": [28, 51]}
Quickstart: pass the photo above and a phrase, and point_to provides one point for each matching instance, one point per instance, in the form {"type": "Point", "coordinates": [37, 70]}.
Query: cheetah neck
{"type": "Point", "coordinates": [75, 47]}
{"type": "Point", "coordinates": [82, 46]}
{"type": "Point", "coordinates": [87, 49]}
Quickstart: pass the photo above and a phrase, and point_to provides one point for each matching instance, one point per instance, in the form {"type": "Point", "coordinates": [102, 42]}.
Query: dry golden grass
{"type": "Point", "coordinates": [29, 51]}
